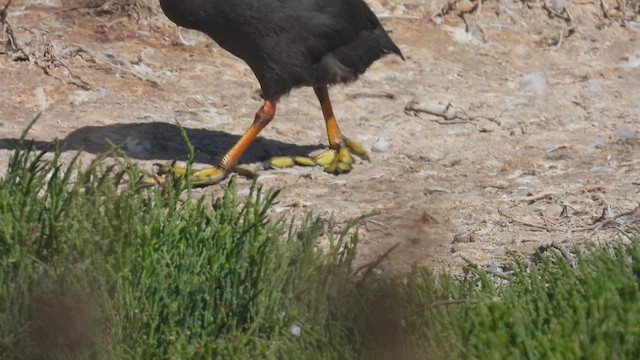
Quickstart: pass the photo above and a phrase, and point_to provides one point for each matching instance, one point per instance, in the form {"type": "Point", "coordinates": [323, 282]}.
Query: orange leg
{"type": "Point", "coordinates": [335, 160]}
{"type": "Point", "coordinates": [338, 159]}
{"type": "Point", "coordinates": [263, 117]}
{"type": "Point", "coordinates": [337, 141]}
{"type": "Point", "coordinates": [333, 131]}
{"type": "Point", "coordinates": [213, 175]}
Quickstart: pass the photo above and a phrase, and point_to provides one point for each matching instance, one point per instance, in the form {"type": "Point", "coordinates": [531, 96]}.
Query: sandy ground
{"type": "Point", "coordinates": [510, 126]}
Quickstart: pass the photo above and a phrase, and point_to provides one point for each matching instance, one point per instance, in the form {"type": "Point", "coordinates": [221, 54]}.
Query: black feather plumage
{"type": "Point", "coordinates": [290, 43]}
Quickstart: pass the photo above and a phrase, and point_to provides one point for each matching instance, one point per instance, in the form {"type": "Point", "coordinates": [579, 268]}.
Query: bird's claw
{"type": "Point", "coordinates": [356, 149]}
{"type": "Point", "coordinates": [199, 177]}
{"type": "Point", "coordinates": [334, 161]}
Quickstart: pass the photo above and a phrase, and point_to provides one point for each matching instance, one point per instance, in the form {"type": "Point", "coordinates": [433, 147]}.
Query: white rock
{"type": "Point", "coordinates": [631, 63]}
{"type": "Point", "coordinates": [534, 81]}
{"type": "Point", "coordinates": [381, 145]}
{"type": "Point", "coordinates": [626, 132]}
{"type": "Point", "coordinates": [296, 330]}
{"type": "Point", "coordinates": [603, 169]}
{"type": "Point", "coordinates": [559, 5]}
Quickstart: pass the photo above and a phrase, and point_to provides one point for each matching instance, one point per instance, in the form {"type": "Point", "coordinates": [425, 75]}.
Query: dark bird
{"type": "Point", "coordinates": [289, 44]}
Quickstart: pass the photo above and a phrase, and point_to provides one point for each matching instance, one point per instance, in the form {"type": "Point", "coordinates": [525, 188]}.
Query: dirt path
{"type": "Point", "coordinates": [521, 132]}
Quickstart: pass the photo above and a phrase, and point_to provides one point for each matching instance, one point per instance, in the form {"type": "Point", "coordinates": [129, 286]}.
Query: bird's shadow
{"type": "Point", "coordinates": [164, 141]}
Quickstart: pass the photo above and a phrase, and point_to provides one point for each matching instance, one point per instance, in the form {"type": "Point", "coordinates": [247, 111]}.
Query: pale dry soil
{"type": "Point", "coordinates": [538, 146]}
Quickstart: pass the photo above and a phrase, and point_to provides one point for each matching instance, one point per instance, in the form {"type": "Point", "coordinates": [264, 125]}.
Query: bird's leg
{"type": "Point", "coordinates": [213, 175]}
{"type": "Point", "coordinates": [338, 158]}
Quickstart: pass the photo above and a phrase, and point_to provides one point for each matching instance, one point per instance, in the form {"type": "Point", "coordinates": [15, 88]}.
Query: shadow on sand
{"type": "Point", "coordinates": [163, 141]}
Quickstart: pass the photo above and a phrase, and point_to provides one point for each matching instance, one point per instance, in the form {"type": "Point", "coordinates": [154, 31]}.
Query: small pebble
{"type": "Point", "coordinates": [433, 156]}
{"type": "Point", "coordinates": [296, 330]}
{"type": "Point", "coordinates": [605, 169]}
{"type": "Point", "coordinates": [381, 145]}
{"type": "Point", "coordinates": [626, 132]}
{"type": "Point", "coordinates": [559, 5]}
{"type": "Point", "coordinates": [598, 144]}
{"type": "Point", "coordinates": [631, 63]}
{"type": "Point", "coordinates": [534, 81]}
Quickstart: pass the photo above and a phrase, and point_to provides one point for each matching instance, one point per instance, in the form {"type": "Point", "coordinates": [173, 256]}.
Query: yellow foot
{"type": "Point", "coordinates": [334, 161]}
{"type": "Point", "coordinates": [198, 177]}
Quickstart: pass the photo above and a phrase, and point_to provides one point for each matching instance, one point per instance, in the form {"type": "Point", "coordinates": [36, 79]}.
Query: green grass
{"type": "Point", "coordinates": [548, 310]}
{"type": "Point", "coordinates": [93, 268]}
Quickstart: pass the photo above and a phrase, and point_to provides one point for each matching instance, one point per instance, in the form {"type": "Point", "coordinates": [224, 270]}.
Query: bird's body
{"type": "Point", "coordinates": [289, 44]}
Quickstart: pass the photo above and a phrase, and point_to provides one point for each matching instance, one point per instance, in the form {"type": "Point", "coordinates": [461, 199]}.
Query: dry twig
{"type": "Point", "coordinates": [44, 57]}
{"type": "Point", "coordinates": [562, 250]}
{"type": "Point", "coordinates": [6, 27]}
{"type": "Point", "coordinates": [595, 188]}
{"type": "Point", "coordinates": [602, 221]}
{"type": "Point", "coordinates": [450, 114]}
{"type": "Point", "coordinates": [526, 223]}
{"type": "Point", "coordinates": [535, 197]}
{"type": "Point", "coordinates": [97, 60]}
